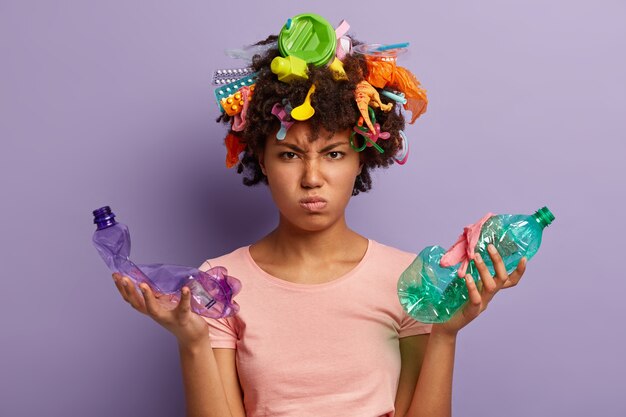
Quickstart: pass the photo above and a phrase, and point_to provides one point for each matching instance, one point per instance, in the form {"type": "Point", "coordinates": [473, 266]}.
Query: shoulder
{"type": "Point", "coordinates": [231, 259]}
{"type": "Point", "coordinates": [388, 261]}
{"type": "Point", "coordinates": [391, 255]}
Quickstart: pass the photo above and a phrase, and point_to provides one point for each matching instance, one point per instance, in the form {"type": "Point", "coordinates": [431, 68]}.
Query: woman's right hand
{"type": "Point", "coordinates": [189, 328]}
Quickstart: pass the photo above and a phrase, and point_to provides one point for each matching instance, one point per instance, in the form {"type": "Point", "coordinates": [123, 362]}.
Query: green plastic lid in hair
{"type": "Point", "coordinates": [309, 37]}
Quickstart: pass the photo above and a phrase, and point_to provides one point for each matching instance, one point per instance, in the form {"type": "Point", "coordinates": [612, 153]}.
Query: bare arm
{"type": "Point", "coordinates": [230, 380]}
{"type": "Point", "coordinates": [205, 395]}
{"type": "Point", "coordinates": [412, 351]}
{"type": "Point", "coordinates": [433, 392]}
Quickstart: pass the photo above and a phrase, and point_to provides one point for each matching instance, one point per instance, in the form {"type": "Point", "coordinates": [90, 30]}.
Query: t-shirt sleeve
{"type": "Point", "coordinates": [411, 327]}
{"type": "Point", "coordinates": [222, 332]}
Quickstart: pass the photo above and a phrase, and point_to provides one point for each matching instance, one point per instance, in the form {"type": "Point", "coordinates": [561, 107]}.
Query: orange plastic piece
{"type": "Point", "coordinates": [234, 147]}
{"type": "Point", "coordinates": [365, 96]}
{"type": "Point", "coordinates": [233, 104]}
{"type": "Point", "coordinates": [385, 73]}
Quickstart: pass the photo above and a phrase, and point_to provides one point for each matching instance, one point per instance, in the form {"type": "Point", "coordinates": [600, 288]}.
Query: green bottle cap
{"type": "Point", "coordinates": [309, 37]}
{"type": "Point", "coordinates": [544, 216]}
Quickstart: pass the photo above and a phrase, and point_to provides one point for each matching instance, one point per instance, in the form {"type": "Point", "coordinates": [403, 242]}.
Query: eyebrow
{"type": "Point", "coordinates": [325, 149]}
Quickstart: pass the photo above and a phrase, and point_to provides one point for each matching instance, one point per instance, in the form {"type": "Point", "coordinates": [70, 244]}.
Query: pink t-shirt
{"type": "Point", "coordinates": [327, 349]}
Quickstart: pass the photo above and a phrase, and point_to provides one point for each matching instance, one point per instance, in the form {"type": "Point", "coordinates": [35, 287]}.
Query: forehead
{"type": "Point", "coordinates": [299, 134]}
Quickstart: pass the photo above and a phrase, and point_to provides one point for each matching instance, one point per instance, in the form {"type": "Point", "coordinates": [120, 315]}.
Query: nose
{"type": "Point", "coordinates": [312, 176]}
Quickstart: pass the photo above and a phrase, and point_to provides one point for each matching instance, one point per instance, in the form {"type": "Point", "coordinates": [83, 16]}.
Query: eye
{"type": "Point", "coordinates": [287, 155]}
{"type": "Point", "coordinates": [336, 155]}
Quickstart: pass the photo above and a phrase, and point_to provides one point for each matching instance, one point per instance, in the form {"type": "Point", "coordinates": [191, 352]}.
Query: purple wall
{"type": "Point", "coordinates": [111, 103]}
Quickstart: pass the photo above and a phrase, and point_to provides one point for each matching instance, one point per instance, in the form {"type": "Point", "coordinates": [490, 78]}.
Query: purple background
{"type": "Point", "coordinates": [111, 103]}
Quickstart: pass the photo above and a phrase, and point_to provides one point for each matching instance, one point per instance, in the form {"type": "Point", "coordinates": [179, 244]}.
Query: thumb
{"type": "Point", "coordinates": [184, 305]}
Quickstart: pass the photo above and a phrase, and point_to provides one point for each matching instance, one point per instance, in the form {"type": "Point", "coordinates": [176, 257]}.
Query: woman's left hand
{"type": "Point", "coordinates": [479, 298]}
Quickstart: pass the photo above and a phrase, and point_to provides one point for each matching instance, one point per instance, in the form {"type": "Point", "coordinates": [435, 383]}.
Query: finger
{"type": "Point", "coordinates": [128, 296]}
{"type": "Point", "coordinates": [474, 304]}
{"type": "Point", "coordinates": [118, 284]}
{"type": "Point", "coordinates": [135, 300]}
{"type": "Point", "coordinates": [489, 285]}
{"type": "Point", "coordinates": [152, 307]}
{"type": "Point", "coordinates": [516, 275]}
{"type": "Point", "coordinates": [184, 305]}
{"type": "Point", "coordinates": [498, 265]}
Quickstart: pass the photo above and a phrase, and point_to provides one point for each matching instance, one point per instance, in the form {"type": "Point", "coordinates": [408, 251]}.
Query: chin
{"type": "Point", "coordinates": [312, 222]}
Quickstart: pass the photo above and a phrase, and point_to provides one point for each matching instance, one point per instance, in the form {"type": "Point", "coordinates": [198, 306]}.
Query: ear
{"type": "Point", "coordinates": [261, 160]}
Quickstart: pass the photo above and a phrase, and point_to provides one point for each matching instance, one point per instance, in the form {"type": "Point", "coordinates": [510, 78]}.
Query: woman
{"type": "Point", "coordinates": [320, 331]}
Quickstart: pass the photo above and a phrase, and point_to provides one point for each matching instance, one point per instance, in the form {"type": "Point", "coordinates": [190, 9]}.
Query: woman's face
{"type": "Point", "coordinates": [311, 181]}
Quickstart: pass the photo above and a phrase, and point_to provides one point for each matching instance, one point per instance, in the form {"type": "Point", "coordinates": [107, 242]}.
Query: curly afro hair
{"type": "Point", "coordinates": [335, 110]}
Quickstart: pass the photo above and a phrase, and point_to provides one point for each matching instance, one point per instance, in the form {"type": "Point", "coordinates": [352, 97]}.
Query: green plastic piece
{"type": "Point", "coordinates": [289, 68]}
{"type": "Point", "coordinates": [431, 293]}
{"type": "Point", "coordinates": [310, 37]}
{"type": "Point", "coordinates": [366, 139]}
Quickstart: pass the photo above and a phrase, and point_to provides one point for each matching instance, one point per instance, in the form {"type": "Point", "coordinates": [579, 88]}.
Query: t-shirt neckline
{"type": "Point", "coordinates": [299, 286]}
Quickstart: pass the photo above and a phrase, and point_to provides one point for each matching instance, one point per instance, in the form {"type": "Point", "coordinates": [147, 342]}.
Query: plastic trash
{"type": "Point", "coordinates": [432, 290]}
{"type": "Point", "coordinates": [212, 291]}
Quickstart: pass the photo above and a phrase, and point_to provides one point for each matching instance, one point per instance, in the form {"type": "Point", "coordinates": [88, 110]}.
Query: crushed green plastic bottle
{"type": "Point", "coordinates": [431, 293]}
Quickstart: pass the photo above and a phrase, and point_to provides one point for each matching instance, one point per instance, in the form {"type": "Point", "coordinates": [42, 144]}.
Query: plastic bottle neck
{"type": "Point", "coordinates": [544, 217]}
{"type": "Point", "coordinates": [104, 217]}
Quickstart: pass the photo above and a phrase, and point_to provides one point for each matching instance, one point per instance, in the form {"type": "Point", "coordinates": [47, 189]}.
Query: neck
{"type": "Point", "coordinates": [296, 244]}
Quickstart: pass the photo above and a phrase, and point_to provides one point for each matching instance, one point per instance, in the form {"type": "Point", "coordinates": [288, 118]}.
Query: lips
{"type": "Point", "coordinates": [313, 204]}
{"type": "Point", "coordinates": [312, 200]}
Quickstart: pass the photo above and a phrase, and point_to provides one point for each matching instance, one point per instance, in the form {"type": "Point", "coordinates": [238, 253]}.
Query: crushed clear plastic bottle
{"type": "Point", "coordinates": [212, 291]}
{"type": "Point", "coordinates": [431, 293]}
